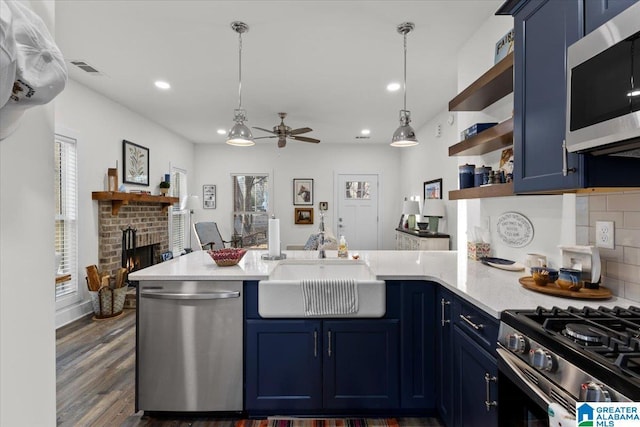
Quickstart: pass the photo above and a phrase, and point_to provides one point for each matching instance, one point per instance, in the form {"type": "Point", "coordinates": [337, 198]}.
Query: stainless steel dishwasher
{"type": "Point", "coordinates": [189, 346]}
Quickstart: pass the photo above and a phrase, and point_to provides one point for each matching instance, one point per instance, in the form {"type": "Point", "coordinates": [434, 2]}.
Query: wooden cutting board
{"type": "Point", "coordinates": [553, 289]}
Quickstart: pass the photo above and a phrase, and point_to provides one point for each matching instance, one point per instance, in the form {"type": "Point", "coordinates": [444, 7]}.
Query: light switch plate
{"type": "Point", "coordinates": [605, 234]}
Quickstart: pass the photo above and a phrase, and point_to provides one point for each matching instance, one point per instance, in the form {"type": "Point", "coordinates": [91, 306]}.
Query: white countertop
{"type": "Point", "coordinates": [491, 289]}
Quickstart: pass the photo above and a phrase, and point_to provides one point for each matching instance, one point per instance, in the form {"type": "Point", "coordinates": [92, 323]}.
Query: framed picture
{"type": "Point", "coordinates": [303, 216]}
{"type": "Point", "coordinates": [209, 196]}
{"type": "Point", "coordinates": [302, 191]}
{"type": "Point", "coordinates": [135, 163]}
{"type": "Point", "coordinates": [433, 189]}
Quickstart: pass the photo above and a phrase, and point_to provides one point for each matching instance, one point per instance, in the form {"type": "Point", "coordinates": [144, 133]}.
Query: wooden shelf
{"type": "Point", "coordinates": [490, 87]}
{"type": "Point", "coordinates": [494, 138]}
{"type": "Point", "coordinates": [118, 199]}
{"type": "Point", "coordinates": [496, 190]}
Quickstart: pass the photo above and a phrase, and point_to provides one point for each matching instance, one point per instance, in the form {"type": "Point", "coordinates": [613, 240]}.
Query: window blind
{"type": "Point", "coordinates": [179, 213]}
{"type": "Point", "coordinates": [66, 189]}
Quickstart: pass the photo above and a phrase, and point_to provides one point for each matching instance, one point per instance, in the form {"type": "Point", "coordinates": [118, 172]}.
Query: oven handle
{"type": "Point", "coordinates": [513, 369]}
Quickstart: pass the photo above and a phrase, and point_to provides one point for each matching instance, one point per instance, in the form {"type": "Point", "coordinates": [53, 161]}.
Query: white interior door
{"type": "Point", "coordinates": [358, 210]}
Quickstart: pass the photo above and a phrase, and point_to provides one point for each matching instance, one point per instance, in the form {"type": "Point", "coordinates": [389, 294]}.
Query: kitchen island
{"type": "Point", "coordinates": [433, 350]}
{"type": "Point", "coordinates": [490, 289]}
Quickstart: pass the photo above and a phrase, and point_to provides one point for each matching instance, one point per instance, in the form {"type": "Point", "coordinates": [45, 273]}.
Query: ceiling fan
{"type": "Point", "coordinates": [282, 132]}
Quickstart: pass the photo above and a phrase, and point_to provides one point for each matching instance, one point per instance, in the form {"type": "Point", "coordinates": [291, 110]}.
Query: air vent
{"type": "Point", "coordinates": [86, 67]}
{"type": "Point", "coordinates": [362, 137]}
{"type": "Point", "coordinates": [531, 376]}
{"type": "Point", "coordinates": [565, 403]}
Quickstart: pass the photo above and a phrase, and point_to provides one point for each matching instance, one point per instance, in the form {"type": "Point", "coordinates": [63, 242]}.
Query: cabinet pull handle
{"type": "Point", "coordinates": [329, 345]}
{"type": "Point", "coordinates": [565, 169]}
{"type": "Point", "coordinates": [443, 303]}
{"type": "Point", "coordinates": [468, 321]}
{"type": "Point", "coordinates": [488, 402]}
{"type": "Point", "coordinates": [315, 343]}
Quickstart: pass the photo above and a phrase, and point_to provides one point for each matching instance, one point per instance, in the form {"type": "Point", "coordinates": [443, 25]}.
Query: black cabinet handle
{"type": "Point", "coordinates": [443, 303]}
{"type": "Point", "coordinates": [329, 344]}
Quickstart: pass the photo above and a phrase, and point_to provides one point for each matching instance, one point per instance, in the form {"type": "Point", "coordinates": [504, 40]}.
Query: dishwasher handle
{"type": "Point", "coordinates": [191, 296]}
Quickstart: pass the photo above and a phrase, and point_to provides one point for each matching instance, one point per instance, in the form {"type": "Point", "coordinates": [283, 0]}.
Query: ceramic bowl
{"type": "Point", "coordinates": [569, 279]}
{"type": "Point", "coordinates": [423, 226]}
{"type": "Point", "coordinates": [543, 275]}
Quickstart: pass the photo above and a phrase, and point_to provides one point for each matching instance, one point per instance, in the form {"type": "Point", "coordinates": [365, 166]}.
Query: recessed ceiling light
{"type": "Point", "coordinates": [392, 87]}
{"type": "Point", "coordinates": [162, 85]}
{"type": "Point", "coordinates": [365, 132]}
{"type": "Point", "coordinates": [222, 131]}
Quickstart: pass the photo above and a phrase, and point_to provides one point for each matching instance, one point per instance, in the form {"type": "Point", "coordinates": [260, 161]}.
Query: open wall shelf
{"type": "Point", "coordinates": [495, 138]}
{"type": "Point", "coordinates": [495, 190]}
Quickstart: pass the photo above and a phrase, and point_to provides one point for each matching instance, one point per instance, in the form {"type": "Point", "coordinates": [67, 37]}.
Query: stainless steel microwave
{"type": "Point", "coordinates": [603, 88]}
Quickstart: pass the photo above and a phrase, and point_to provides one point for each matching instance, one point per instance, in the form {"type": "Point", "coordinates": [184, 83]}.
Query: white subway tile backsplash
{"type": "Point", "coordinates": [625, 272]}
{"type": "Point", "coordinates": [582, 211]}
{"type": "Point", "coordinates": [631, 220]}
{"type": "Point", "coordinates": [616, 217]}
{"type": "Point", "coordinates": [597, 203]}
{"type": "Point", "coordinates": [627, 237]}
{"type": "Point", "coordinates": [623, 202]}
{"type": "Point", "coordinates": [620, 266]}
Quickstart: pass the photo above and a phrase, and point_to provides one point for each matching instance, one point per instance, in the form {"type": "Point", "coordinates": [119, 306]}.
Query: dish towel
{"type": "Point", "coordinates": [329, 296]}
{"type": "Point", "coordinates": [560, 417]}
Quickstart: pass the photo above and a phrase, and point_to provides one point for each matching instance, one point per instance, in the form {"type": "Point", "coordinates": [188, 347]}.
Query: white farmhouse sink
{"type": "Point", "coordinates": [281, 295]}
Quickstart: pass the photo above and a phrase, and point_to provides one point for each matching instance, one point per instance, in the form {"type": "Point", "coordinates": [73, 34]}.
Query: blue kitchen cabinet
{"type": "Point", "coordinates": [361, 364]}
{"type": "Point", "coordinates": [283, 365]}
{"type": "Point", "coordinates": [417, 364]}
{"type": "Point", "coordinates": [444, 355]}
{"type": "Point", "coordinates": [543, 31]}
{"type": "Point", "coordinates": [597, 12]}
{"type": "Point", "coordinates": [475, 383]}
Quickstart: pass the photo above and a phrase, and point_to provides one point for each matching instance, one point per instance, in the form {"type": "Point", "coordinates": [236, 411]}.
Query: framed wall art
{"type": "Point", "coordinates": [135, 163]}
{"type": "Point", "coordinates": [302, 191]}
{"type": "Point", "coordinates": [209, 196]}
{"type": "Point", "coordinates": [433, 189]}
{"type": "Point", "coordinates": [303, 216]}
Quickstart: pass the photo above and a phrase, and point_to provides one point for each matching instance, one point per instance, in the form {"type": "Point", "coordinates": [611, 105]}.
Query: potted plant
{"type": "Point", "coordinates": [164, 187]}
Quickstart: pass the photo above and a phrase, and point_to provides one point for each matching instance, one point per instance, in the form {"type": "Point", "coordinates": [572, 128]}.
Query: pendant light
{"type": "Point", "coordinates": [240, 135]}
{"type": "Point", "coordinates": [405, 136]}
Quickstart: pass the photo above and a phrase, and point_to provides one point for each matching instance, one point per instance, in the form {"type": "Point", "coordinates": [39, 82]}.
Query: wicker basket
{"type": "Point", "coordinates": [108, 302]}
{"type": "Point", "coordinates": [227, 257]}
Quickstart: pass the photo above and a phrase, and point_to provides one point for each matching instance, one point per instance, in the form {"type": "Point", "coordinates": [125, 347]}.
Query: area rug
{"type": "Point", "coordinates": [323, 422]}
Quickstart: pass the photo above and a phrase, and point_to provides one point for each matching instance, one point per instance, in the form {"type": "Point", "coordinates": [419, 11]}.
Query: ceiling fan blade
{"type": "Point", "coordinates": [300, 130]}
{"type": "Point", "coordinates": [305, 139]}
{"type": "Point", "coordinates": [265, 130]}
{"type": "Point", "coordinates": [282, 142]}
{"type": "Point", "coordinates": [263, 137]}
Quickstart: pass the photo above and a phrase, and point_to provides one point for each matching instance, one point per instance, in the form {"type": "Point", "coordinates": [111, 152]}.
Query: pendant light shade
{"type": "Point", "coordinates": [405, 136]}
{"type": "Point", "coordinates": [240, 134]}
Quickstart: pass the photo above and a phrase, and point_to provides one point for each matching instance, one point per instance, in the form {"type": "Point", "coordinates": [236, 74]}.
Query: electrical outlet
{"type": "Point", "coordinates": [604, 234]}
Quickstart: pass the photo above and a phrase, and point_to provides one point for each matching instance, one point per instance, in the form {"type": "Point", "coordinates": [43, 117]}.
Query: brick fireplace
{"type": "Point", "coordinates": [149, 219]}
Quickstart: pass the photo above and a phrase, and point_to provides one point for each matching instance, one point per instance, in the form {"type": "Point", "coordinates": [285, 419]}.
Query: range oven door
{"type": "Point", "coordinates": [525, 394]}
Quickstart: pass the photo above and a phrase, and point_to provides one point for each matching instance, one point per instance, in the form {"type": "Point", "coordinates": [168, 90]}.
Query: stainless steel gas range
{"type": "Point", "coordinates": [566, 356]}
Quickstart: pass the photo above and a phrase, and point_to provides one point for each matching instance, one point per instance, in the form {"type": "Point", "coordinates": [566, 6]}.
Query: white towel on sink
{"type": "Point", "coordinates": [324, 297]}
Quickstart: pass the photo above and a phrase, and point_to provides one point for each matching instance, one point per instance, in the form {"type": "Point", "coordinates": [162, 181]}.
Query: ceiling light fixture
{"type": "Point", "coordinates": [392, 87]}
{"type": "Point", "coordinates": [405, 136]}
{"type": "Point", "coordinates": [162, 85]}
{"type": "Point", "coordinates": [240, 135]}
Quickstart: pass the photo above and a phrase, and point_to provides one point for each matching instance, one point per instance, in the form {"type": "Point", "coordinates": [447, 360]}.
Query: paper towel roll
{"type": "Point", "coordinates": [559, 417]}
{"type": "Point", "coordinates": [274, 237]}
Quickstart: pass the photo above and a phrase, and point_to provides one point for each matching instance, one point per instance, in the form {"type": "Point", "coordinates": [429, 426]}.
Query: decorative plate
{"type": "Point", "coordinates": [515, 229]}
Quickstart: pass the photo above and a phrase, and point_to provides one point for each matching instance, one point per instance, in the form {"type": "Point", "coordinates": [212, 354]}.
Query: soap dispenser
{"type": "Point", "coordinates": [342, 248]}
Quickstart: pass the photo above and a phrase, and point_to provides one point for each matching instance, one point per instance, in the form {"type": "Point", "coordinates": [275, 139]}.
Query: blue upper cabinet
{"type": "Point", "coordinates": [597, 12]}
{"type": "Point", "coordinates": [543, 31]}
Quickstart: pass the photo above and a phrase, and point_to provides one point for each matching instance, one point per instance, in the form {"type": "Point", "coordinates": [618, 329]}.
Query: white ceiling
{"type": "Point", "coordinates": [326, 63]}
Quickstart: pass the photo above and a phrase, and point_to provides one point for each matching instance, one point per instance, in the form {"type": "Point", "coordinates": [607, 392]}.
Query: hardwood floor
{"type": "Point", "coordinates": [95, 368]}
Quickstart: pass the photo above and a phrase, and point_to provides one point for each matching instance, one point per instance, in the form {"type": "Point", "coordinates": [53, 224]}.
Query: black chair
{"type": "Point", "coordinates": [208, 235]}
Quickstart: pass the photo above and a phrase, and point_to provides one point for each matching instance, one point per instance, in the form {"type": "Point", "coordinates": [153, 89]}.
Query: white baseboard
{"type": "Point", "coordinates": [73, 312]}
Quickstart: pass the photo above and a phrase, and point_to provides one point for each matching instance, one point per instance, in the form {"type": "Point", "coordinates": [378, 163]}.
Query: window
{"type": "Point", "coordinates": [250, 209]}
{"type": "Point", "coordinates": [66, 226]}
{"type": "Point", "coordinates": [180, 220]}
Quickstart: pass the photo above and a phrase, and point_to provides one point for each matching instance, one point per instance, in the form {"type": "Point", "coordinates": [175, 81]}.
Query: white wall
{"type": "Point", "coordinates": [214, 164]}
{"type": "Point", "coordinates": [100, 126]}
{"type": "Point", "coordinates": [546, 213]}
{"type": "Point", "coordinates": [27, 334]}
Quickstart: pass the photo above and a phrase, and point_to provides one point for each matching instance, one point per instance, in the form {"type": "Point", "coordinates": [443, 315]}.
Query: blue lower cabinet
{"type": "Point", "coordinates": [475, 385]}
{"type": "Point", "coordinates": [283, 365]}
{"type": "Point", "coordinates": [444, 354]}
{"type": "Point", "coordinates": [361, 364]}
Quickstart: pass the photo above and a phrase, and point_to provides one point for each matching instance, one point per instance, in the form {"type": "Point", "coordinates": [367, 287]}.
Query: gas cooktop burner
{"type": "Point", "coordinates": [585, 333]}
